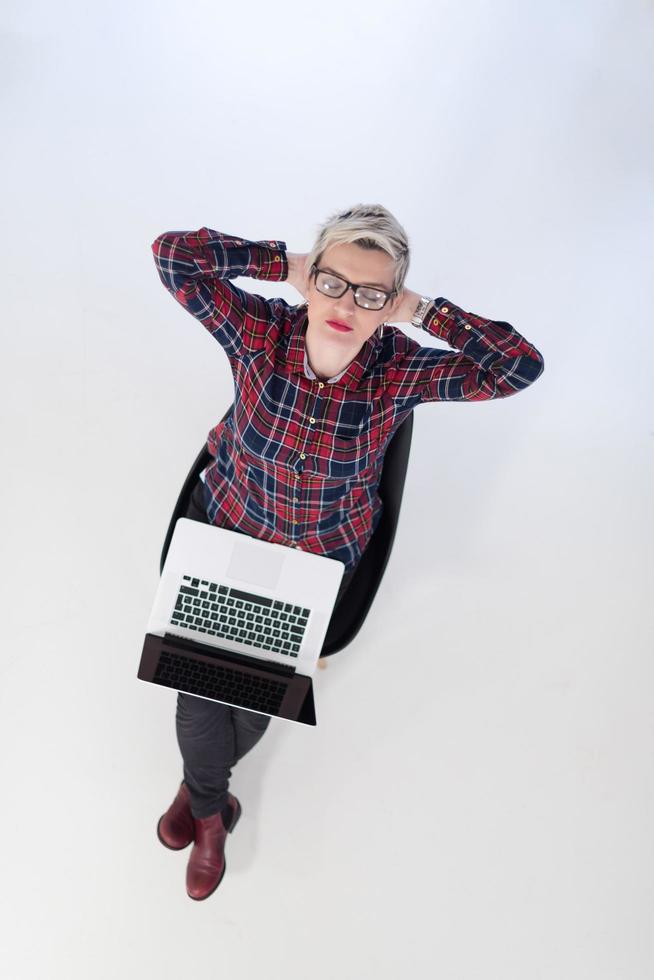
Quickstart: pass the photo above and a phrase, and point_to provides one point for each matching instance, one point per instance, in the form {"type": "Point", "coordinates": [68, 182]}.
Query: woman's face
{"type": "Point", "coordinates": [365, 267]}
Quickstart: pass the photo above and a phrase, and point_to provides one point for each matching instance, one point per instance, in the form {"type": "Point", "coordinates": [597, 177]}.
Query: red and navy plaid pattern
{"type": "Point", "coordinates": [298, 460]}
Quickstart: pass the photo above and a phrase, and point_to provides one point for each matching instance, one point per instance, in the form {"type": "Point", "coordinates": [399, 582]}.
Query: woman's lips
{"type": "Point", "coordinates": [339, 326]}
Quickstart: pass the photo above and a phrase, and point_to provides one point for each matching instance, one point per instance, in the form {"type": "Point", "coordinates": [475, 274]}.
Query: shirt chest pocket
{"type": "Point", "coordinates": [353, 423]}
{"type": "Point", "coordinates": [260, 422]}
{"type": "Point", "coordinates": [346, 452]}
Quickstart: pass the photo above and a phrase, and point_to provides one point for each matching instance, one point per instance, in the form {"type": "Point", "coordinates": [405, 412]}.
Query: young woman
{"type": "Point", "coordinates": [320, 389]}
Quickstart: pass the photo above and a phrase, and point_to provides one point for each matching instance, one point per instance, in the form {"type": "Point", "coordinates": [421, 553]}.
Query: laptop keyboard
{"type": "Point", "coordinates": [219, 682]}
{"type": "Point", "coordinates": [228, 613]}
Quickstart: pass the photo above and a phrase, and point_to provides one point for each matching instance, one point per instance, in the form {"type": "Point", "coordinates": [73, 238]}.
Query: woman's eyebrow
{"type": "Point", "coordinates": [379, 285]}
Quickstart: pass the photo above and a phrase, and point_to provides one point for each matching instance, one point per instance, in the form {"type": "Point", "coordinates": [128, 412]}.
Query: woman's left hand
{"type": "Point", "coordinates": [405, 306]}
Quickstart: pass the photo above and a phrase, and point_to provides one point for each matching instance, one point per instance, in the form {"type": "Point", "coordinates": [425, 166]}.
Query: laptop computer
{"type": "Point", "coordinates": [240, 620]}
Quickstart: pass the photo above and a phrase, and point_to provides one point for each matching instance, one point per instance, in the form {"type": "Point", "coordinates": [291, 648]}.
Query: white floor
{"type": "Point", "coordinates": [477, 792]}
{"type": "Point", "coordinates": [477, 799]}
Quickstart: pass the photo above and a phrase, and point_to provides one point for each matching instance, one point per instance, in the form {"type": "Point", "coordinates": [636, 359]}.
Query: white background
{"type": "Point", "coordinates": [476, 802]}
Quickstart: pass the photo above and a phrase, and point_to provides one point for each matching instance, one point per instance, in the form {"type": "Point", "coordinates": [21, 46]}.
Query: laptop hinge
{"type": "Point", "coordinates": [207, 650]}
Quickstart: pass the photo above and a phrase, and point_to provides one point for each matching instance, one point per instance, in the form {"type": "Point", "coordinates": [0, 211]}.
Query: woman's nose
{"type": "Point", "coordinates": [345, 304]}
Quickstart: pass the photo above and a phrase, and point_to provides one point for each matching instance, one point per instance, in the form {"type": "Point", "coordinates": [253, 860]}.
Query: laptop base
{"type": "Point", "coordinates": [202, 670]}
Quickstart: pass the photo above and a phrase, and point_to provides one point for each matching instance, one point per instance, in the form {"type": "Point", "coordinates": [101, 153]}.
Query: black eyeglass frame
{"type": "Point", "coordinates": [353, 286]}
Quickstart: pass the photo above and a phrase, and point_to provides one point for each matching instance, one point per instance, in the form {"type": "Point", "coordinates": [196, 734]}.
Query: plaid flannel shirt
{"type": "Point", "coordinates": [298, 459]}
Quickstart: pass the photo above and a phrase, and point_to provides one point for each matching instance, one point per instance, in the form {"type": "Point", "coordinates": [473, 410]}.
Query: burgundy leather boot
{"type": "Point", "coordinates": [206, 865]}
{"type": "Point", "coordinates": [175, 829]}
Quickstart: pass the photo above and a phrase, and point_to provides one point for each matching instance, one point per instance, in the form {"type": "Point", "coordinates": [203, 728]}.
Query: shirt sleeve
{"type": "Point", "coordinates": [196, 266]}
{"type": "Point", "coordinates": [493, 360]}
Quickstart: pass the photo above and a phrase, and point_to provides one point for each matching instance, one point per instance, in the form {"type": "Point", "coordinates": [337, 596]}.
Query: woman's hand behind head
{"type": "Point", "coordinates": [296, 275]}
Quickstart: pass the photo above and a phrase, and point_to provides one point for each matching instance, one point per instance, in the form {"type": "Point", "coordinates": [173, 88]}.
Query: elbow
{"type": "Point", "coordinates": [158, 242]}
{"type": "Point", "coordinates": [537, 366]}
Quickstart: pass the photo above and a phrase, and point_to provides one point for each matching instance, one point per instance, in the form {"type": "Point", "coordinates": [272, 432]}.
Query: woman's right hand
{"type": "Point", "coordinates": [296, 275]}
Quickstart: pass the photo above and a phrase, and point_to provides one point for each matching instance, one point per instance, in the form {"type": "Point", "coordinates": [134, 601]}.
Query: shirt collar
{"type": "Point", "coordinates": [297, 360]}
{"type": "Point", "coordinates": [310, 373]}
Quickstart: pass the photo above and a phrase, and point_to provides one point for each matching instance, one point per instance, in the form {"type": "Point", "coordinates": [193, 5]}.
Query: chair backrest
{"type": "Point", "coordinates": [350, 612]}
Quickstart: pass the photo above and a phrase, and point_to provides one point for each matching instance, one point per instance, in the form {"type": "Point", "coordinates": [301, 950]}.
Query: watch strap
{"type": "Point", "coordinates": [417, 318]}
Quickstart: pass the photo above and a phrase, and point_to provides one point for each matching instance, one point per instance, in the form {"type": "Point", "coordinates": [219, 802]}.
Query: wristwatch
{"type": "Point", "coordinates": [416, 319]}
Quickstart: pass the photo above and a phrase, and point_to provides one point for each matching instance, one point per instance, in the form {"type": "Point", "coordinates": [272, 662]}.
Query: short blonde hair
{"type": "Point", "coordinates": [370, 226]}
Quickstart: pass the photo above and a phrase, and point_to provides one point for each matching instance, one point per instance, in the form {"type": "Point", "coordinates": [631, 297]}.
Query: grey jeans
{"type": "Point", "coordinates": [212, 737]}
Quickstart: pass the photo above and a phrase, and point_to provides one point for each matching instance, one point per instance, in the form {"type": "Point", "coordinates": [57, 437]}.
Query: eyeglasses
{"type": "Point", "coordinates": [367, 297]}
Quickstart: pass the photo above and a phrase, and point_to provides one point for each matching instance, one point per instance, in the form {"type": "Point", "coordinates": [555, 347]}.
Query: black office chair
{"type": "Point", "coordinates": [350, 612]}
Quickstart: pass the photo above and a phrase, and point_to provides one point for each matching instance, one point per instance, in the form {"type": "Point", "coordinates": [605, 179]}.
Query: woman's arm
{"type": "Point", "coordinates": [196, 266]}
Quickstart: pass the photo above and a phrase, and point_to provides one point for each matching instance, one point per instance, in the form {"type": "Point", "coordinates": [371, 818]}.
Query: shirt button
{"type": "Point", "coordinates": [276, 258]}
{"type": "Point", "coordinates": [296, 499]}
{"type": "Point", "coordinates": [295, 522]}
{"type": "Point", "coordinates": [467, 326]}
{"type": "Point", "coordinates": [302, 456]}
{"type": "Point", "coordinates": [312, 420]}
{"type": "Point", "coordinates": [445, 309]}
{"type": "Point", "coordinates": [320, 384]}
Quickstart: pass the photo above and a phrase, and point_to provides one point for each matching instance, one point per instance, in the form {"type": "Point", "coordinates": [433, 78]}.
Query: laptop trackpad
{"type": "Point", "coordinates": [256, 566]}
